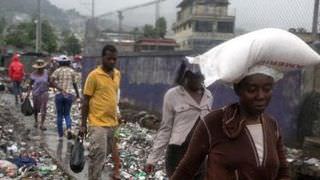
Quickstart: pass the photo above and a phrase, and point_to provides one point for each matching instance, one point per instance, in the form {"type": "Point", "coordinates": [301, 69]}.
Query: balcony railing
{"type": "Point", "coordinates": [230, 14]}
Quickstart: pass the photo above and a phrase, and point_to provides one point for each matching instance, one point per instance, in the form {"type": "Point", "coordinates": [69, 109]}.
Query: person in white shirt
{"type": "Point", "coordinates": [183, 106]}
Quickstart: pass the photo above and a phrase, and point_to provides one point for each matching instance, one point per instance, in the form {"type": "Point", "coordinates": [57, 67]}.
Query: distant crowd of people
{"type": "Point", "coordinates": [57, 74]}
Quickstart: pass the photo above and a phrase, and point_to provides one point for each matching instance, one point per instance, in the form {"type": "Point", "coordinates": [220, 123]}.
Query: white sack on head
{"type": "Point", "coordinates": [276, 48]}
{"type": "Point", "coordinates": [262, 69]}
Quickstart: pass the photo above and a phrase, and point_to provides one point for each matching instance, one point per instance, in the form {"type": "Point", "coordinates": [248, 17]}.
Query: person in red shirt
{"type": "Point", "coordinates": [16, 75]}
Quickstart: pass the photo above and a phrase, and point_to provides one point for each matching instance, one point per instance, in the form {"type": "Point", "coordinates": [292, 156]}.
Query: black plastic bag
{"type": "Point", "coordinates": [26, 107]}
{"type": "Point", "coordinates": [2, 87]}
{"type": "Point", "coordinates": [77, 159]}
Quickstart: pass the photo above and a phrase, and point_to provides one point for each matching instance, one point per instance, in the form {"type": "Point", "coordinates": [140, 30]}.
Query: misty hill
{"type": "Point", "coordinates": [20, 10]}
{"type": "Point", "coordinates": [16, 11]}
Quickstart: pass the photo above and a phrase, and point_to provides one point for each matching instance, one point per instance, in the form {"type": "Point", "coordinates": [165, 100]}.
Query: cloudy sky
{"type": "Point", "coordinates": [250, 14]}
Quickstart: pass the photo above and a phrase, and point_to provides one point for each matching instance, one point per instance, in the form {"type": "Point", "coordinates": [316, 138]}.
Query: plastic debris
{"type": "Point", "coordinates": [134, 146]}
{"type": "Point", "coordinates": [313, 161]}
{"type": "Point", "coordinates": [21, 155]}
{"type": "Point", "coordinates": [24, 161]}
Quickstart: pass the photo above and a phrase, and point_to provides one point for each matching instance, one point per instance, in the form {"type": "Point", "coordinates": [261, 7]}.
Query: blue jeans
{"type": "Point", "coordinates": [16, 88]}
{"type": "Point", "coordinates": [63, 107]}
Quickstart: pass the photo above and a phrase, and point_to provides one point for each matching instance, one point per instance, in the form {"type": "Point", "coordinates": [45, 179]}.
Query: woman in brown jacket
{"type": "Point", "coordinates": [239, 141]}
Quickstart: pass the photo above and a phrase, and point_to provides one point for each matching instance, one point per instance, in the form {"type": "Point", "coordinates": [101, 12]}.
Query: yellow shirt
{"type": "Point", "coordinates": [103, 103]}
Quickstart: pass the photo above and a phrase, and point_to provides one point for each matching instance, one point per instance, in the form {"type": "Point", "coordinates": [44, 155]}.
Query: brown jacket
{"type": "Point", "coordinates": [230, 150]}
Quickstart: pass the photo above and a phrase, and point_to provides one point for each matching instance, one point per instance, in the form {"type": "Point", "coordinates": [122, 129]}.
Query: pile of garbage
{"type": "Point", "coordinates": [135, 145]}
{"type": "Point", "coordinates": [135, 115]}
{"type": "Point", "coordinates": [20, 157]}
{"type": "Point", "coordinates": [303, 165]}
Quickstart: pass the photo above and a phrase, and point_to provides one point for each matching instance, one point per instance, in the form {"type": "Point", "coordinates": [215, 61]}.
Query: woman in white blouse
{"type": "Point", "coordinates": [183, 106]}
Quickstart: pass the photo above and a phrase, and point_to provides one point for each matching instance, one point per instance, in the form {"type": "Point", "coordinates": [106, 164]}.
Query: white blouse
{"type": "Point", "coordinates": [257, 136]}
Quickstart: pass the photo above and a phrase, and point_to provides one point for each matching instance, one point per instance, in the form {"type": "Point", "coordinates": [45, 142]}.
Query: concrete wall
{"type": "Point", "coordinates": [147, 76]}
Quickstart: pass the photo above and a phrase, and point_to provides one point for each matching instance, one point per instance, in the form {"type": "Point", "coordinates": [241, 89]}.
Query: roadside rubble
{"type": "Point", "coordinates": [20, 156]}
{"type": "Point", "coordinates": [136, 140]}
{"type": "Point", "coordinates": [135, 145]}
{"type": "Point", "coordinates": [135, 115]}
{"type": "Point", "coordinates": [303, 166]}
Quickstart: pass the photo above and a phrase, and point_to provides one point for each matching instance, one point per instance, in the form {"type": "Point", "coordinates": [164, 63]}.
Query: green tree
{"type": "Point", "coordinates": [23, 35]}
{"type": "Point", "coordinates": [3, 25]}
{"type": "Point", "coordinates": [65, 33]}
{"type": "Point", "coordinates": [72, 45]}
{"type": "Point", "coordinates": [149, 31]}
{"type": "Point", "coordinates": [48, 37]}
{"type": "Point", "coordinates": [20, 35]}
{"type": "Point", "coordinates": [136, 33]}
{"type": "Point", "coordinates": [159, 31]}
{"type": "Point", "coordinates": [161, 27]}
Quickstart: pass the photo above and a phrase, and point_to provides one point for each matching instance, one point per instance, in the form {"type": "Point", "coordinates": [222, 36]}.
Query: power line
{"type": "Point", "coordinates": [93, 8]}
{"type": "Point", "coordinates": [315, 20]}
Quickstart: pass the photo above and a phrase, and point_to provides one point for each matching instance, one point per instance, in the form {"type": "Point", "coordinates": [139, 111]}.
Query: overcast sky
{"type": "Point", "coordinates": [250, 14]}
{"type": "Point", "coordinates": [103, 6]}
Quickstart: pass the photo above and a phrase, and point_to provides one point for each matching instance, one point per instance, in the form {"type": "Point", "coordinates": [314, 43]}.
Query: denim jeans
{"type": "Point", "coordinates": [63, 107]}
{"type": "Point", "coordinates": [16, 88]}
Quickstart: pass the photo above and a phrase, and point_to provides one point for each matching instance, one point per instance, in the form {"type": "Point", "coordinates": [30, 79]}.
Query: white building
{"type": "Point", "coordinates": [203, 24]}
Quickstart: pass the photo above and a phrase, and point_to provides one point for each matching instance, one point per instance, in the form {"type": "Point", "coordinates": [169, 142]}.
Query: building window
{"type": "Point", "coordinates": [203, 26]}
{"type": "Point", "coordinates": [225, 27]}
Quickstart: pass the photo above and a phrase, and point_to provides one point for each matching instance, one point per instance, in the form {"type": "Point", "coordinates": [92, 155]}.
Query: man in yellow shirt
{"type": "Point", "coordinates": [99, 109]}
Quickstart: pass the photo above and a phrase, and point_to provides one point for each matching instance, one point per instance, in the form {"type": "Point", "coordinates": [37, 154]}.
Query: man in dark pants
{"type": "Point", "coordinates": [16, 75]}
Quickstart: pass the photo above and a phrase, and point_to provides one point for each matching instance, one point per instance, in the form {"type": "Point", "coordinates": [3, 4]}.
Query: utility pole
{"type": "Point", "coordinates": [157, 16]}
{"type": "Point", "coordinates": [315, 37]}
{"type": "Point", "coordinates": [120, 17]}
{"type": "Point", "coordinates": [92, 9]}
{"type": "Point", "coordinates": [157, 12]}
{"type": "Point", "coordinates": [38, 29]}
{"type": "Point", "coordinates": [315, 20]}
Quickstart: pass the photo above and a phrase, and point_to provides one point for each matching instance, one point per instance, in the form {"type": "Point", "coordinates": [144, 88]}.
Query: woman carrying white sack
{"type": "Point", "coordinates": [241, 141]}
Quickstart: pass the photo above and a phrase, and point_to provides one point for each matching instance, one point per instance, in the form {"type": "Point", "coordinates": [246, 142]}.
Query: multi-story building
{"type": "Point", "coordinates": [155, 44]}
{"type": "Point", "coordinates": [202, 24]}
